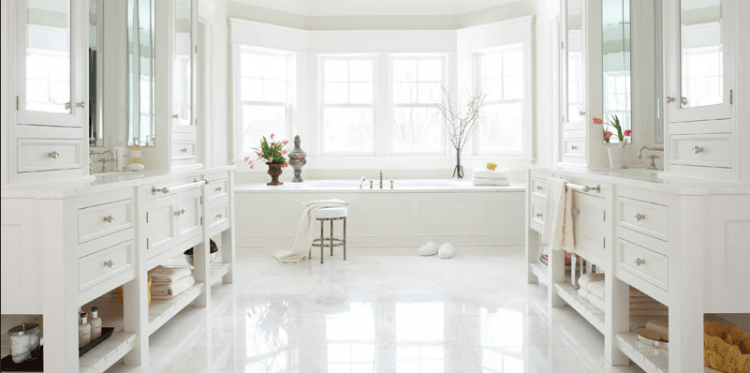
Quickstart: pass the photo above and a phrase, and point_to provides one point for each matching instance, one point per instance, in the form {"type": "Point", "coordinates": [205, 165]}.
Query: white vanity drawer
{"type": "Point", "coordinates": [645, 217]}
{"type": "Point", "coordinates": [536, 215]}
{"type": "Point", "coordinates": [101, 265]}
{"type": "Point", "coordinates": [101, 220]}
{"type": "Point", "coordinates": [575, 148]}
{"type": "Point", "coordinates": [712, 150]}
{"type": "Point", "coordinates": [539, 187]}
{"type": "Point", "coordinates": [216, 190]}
{"type": "Point", "coordinates": [217, 216]}
{"type": "Point", "coordinates": [46, 154]}
{"type": "Point", "coordinates": [184, 149]}
{"type": "Point", "coordinates": [643, 263]}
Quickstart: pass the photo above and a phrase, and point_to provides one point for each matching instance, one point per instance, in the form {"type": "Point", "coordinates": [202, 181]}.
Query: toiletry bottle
{"type": "Point", "coordinates": [135, 151]}
{"type": "Point", "coordinates": [96, 324]}
{"type": "Point", "coordinates": [84, 331]}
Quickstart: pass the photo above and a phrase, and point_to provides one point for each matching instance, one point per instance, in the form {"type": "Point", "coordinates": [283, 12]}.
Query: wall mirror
{"type": "Point", "coordinates": [121, 65]}
{"type": "Point", "coordinates": [575, 95]}
{"type": "Point", "coordinates": [659, 70]}
{"type": "Point", "coordinates": [701, 52]}
{"type": "Point", "coordinates": [182, 70]}
{"type": "Point", "coordinates": [616, 71]}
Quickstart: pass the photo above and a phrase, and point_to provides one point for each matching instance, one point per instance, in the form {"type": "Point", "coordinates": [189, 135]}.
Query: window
{"type": "Point", "coordinates": [265, 95]}
{"type": "Point", "coordinates": [500, 75]}
{"type": "Point", "coordinates": [348, 105]}
{"type": "Point", "coordinates": [417, 125]}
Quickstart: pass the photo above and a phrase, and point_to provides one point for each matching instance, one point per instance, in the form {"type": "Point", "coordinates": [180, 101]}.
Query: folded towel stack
{"type": "Point", "coordinates": [485, 177]}
{"type": "Point", "coordinates": [642, 305]}
{"type": "Point", "coordinates": [591, 288]}
{"type": "Point", "coordinates": [169, 282]}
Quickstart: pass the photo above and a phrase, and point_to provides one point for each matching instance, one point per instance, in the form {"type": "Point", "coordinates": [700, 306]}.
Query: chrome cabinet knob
{"type": "Point", "coordinates": [175, 116]}
{"type": "Point", "coordinates": [576, 211]}
{"type": "Point", "coordinates": [669, 100]}
{"type": "Point", "coordinates": [184, 150]}
{"type": "Point", "coordinates": [155, 190]}
{"type": "Point", "coordinates": [218, 189]}
{"type": "Point", "coordinates": [180, 212]}
{"type": "Point", "coordinates": [573, 147]}
{"type": "Point", "coordinates": [697, 149]}
{"type": "Point", "coordinates": [109, 264]}
{"type": "Point", "coordinates": [639, 216]}
{"type": "Point", "coordinates": [539, 187]}
{"type": "Point", "coordinates": [639, 262]}
{"type": "Point", "coordinates": [539, 215]}
{"type": "Point", "coordinates": [81, 104]}
{"type": "Point", "coordinates": [109, 218]}
{"type": "Point", "coordinates": [218, 216]}
{"type": "Point", "coordinates": [581, 113]}
{"type": "Point", "coordinates": [53, 154]}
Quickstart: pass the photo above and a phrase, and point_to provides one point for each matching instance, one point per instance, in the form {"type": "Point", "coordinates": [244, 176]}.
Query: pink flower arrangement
{"type": "Point", "coordinates": [627, 132]}
{"type": "Point", "coordinates": [607, 134]}
{"type": "Point", "coordinates": [615, 123]}
{"type": "Point", "coordinates": [269, 153]}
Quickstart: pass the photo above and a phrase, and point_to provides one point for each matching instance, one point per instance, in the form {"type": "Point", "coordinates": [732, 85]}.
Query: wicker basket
{"type": "Point", "coordinates": [726, 348]}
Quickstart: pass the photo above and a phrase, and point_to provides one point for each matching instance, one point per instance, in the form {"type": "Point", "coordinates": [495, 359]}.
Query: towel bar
{"type": "Point", "coordinates": [584, 188]}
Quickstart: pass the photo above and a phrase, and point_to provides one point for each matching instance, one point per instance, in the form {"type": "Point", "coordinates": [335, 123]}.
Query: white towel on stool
{"type": "Point", "coordinates": [558, 224]}
{"type": "Point", "coordinates": [305, 231]}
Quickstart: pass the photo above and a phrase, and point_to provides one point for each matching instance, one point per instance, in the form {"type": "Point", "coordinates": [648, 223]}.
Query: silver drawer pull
{"type": "Point", "coordinates": [53, 154]}
{"type": "Point", "coordinates": [218, 189]}
{"type": "Point", "coordinates": [175, 116]}
{"type": "Point", "coordinates": [539, 187]}
{"type": "Point", "coordinates": [180, 212]}
{"type": "Point", "coordinates": [109, 218]}
{"type": "Point", "coordinates": [155, 190]}
{"type": "Point", "coordinates": [639, 216]}
{"type": "Point", "coordinates": [109, 264]}
{"type": "Point", "coordinates": [184, 150]}
{"type": "Point", "coordinates": [576, 211]}
{"type": "Point", "coordinates": [538, 214]}
{"type": "Point", "coordinates": [573, 147]}
{"type": "Point", "coordinates": [81, 104]}
{"type": "Point", "coordinates": [639, 262]}
{"type": "Point", "coordinates": [581, 113]}
{"type": "Point", "coordinates": [218, 216]}
{"type": "Point", "coordinates": [670, 100]}
{"type": "Point", "coordinates": [697, 149]}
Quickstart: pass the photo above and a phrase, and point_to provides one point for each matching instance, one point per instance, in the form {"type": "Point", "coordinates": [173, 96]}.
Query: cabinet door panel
{"type": "Point", "coordinates": [589, 223]}
{"type": "Point", "coordinates": [162, 224]}
{"type": "Point", "coordinates": [190, 214]}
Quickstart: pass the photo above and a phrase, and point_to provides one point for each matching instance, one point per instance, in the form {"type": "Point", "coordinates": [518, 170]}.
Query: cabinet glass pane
{"type": "Point", "coordinates": [616, 74]}
{"type": "Point", "coordinates": [576, 74]}
{"type": "Point", "coordinates": [182, 93]}
{"type": "Point", "coordinates": [48, 85]}
{"type": "Point", "coordinates": [701, 53]}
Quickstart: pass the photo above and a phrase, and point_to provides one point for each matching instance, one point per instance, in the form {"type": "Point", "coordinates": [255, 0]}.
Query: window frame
{"type": "Point", "coordinates": [322, 105]}
{"type": "Point", "coordinates": [239, 103]}
{"type": "Point", "coordinates": [526, 117]}
{"type": "Point", "coordinates": [393, 57]}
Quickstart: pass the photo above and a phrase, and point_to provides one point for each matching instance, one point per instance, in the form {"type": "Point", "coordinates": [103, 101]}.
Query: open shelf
{"type": "Point", "coordinates": [569, 294]}
{"type": "Point", "coordinates": [107, 353]}
{"type": "Point", "coordinates": [218, 270]}
{"type": "Point", "coordinates": [648, 358]}
{"type": "Point", "coordinates": [161, 311]}
{"type": "Point", "coordinates": [540, 271]}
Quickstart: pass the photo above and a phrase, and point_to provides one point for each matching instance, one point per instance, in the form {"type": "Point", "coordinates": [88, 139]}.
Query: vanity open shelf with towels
{"type": "Point", "coordinates": [665, 237]}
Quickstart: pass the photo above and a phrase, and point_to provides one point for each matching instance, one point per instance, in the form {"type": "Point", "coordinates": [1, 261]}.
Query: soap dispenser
{"type": "Point", "coordinates": [84, 331]}
{"type": "Point", "coordinates": [96, 323]}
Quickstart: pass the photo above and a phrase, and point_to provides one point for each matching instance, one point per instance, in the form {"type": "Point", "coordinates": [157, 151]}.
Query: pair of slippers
{"type": "Point", "coordinates": [443, 251]}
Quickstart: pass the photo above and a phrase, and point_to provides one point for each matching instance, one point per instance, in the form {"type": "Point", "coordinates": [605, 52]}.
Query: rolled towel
{"type": "Point", "coordinates": [169, 274]}
{"type": "Point", "coordinates": [428, 249]}
{"type": "Point", "coordinates": [490, 182]}
{"type": "Point", "coordinates": [446, 251]}
{"type": "Point", "coordinates": [589, 277]}
{"type": "Point", "coordinates": [591, 298]}
{"type": "Point", "coordinates": [171, 291]}
{"type": "Point", "coordinates": [596, 288]}
{"type": "Point", "coordinates": [484, 173]}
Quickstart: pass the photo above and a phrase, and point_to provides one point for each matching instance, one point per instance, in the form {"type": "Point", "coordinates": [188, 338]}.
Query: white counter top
{"type": "Point", "coordinates": [400, 186]}
{"type": "Point", "coordinates": [651, 180]}
{"type": "Point", "coordinates": [101, 183]}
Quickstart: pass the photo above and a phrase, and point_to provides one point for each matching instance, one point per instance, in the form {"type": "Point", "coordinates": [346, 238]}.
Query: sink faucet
{"type": "Point", "coordinates": [381, 179]}
{"type": "Point", "coordinates": [653, 157]}
{"type": "Point", "coordinates": [362, 180]}
{"type": "Point", "coordinates": [103, 160]}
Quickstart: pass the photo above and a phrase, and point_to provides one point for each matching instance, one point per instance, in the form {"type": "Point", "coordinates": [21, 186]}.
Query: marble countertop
{"type": "Point", "coordinates": [400, 186]}
{"type": "Point", "coordinates": [101, 183]}
{"type": "Point", "coordinates": [651, 180]}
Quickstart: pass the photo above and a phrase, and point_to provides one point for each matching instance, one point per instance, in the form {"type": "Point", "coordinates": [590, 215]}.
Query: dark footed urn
{"type": "Point", "coordinates": [274, 169]}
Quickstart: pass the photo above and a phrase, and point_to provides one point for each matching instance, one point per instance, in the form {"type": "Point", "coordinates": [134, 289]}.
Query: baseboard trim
{"type": "Point", "coordinates": [392, 241]}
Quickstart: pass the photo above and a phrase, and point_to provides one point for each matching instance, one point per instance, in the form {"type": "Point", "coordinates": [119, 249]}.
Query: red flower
{"type": "Point", "coordinates": [607, 134]}
{"type": "Point", "coordinates": [299, 156]}
{"type": "Point", "coordinates": [272, 135]}
{"type": "Point", "coordinates": [247, 158]}
{"type": "Point", "coordinates": [286, 164]}
{"type": "Point", "coordinates": [299, 163]}
{"type": "Point", "coordinates": [260, 154]}
{"type": "Point", "coordinates": [627, 132]}
{"type": "Point", "coordinates": [598, 121]}
{"type": "Point", "coordinates": [252, 166]}
{"type": "Point", "coordinates": [286, 142]}
{"type": "Point", "coordinates": [286, 151]}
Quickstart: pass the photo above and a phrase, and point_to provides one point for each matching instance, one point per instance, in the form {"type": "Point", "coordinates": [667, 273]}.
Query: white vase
{"type": "Point", "coordinates": [615, 157]}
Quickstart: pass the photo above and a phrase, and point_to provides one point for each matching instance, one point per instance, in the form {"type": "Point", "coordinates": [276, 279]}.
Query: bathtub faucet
{"type": "Point", "coordinates": [362, 180]}
{"type": "Point", "coordinates": [381, 179]}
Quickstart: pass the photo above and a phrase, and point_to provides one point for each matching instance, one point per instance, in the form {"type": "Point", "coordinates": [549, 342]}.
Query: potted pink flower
{"type": "Point", "coordinates": [274, 155]}
{"type": "Point", "coordinates": [614, 153]}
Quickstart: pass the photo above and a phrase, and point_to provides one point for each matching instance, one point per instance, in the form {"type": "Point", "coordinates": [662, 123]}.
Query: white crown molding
{"type": "Point", "coordinates": [319, 8]}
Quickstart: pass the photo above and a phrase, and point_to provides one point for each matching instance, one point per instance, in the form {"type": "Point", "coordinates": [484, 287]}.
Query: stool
{"type": "Point", "coordinates": [329, 214]}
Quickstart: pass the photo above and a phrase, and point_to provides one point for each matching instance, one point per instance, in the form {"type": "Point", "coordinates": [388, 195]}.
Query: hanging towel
{"type": "Point", "coordinates": [489, 182]}
{"type": "Point", "coordinates": [172, 290]}
{"type": "Point", "coordinates": [558, 225]}
{"type": "Point", "coordinates": [305, 231]}
{"type": "Point", "coordinates": [163, 274]}
{"type": "Point", "coordinates": [484, 173]}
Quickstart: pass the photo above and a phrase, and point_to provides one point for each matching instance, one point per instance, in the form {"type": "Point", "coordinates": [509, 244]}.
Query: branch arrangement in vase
{"type": "Point", "coordinates": [460, 124]}
{"type": "Point", "coordinates": [615, 124]}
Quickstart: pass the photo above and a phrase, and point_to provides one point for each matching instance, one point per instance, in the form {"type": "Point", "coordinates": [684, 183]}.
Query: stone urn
{"type": "Point", "coordinates": [297, 155]}
{"type": "Point", "coordinates": [274, 169]}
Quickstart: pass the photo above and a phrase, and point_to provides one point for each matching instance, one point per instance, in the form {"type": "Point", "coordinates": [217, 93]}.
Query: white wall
{"type": "Point", "coordinates": [5, 112]}
{"type": "Point", "coordinates": [220, 125]}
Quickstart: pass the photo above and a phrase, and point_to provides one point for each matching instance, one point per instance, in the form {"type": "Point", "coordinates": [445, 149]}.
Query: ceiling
{"type": "Point", "coordinates": [376, 7]}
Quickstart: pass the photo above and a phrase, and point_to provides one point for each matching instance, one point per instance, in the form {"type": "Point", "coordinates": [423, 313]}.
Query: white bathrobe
{"type": "Point", "coordinates": [306, 231]}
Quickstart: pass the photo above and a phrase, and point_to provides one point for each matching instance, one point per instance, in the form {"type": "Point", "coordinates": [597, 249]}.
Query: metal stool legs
{"type": "Point", "coordinates": [321, 242]}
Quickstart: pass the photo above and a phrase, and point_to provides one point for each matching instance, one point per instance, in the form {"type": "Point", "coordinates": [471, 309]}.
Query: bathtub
{"type": "Point", "coordinates": [414, 212]}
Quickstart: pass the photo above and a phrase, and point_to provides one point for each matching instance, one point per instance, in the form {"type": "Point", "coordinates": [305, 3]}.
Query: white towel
{"type": "Point", "coordinates": [585, 279]}
{"type": "Point", "coordinates": [172, 290]}
{"type": "Point", "coordinates": [305, 231]}
{"type": "Point", "coordinates": [591, 298]}
{"type": "Point", "coordinates": [430, 248]}
{"type": "Point", "coordinates": [498, 173]}
{"type": "Point", "coordinates": [168, 275]}
{"type": "Point", "coordinates": [489, 182]}
{"type": "Point", "coordinates": [558, 224]}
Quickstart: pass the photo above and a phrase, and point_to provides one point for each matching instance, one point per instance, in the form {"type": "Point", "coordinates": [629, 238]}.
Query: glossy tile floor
{"type": "Point", "coordinates": [382, 310]}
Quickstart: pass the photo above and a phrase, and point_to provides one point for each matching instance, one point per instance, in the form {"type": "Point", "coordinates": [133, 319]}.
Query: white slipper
{"type": "Point", "coordinates": [446, 251]}
{"type": "Point", "coordinates": [428, 249]}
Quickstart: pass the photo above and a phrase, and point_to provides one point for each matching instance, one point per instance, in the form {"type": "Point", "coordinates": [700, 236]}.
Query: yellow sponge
{"type": "Point", "coordinates": [726, 349]}
{"type": "Point", "coordinates": [491, 165]}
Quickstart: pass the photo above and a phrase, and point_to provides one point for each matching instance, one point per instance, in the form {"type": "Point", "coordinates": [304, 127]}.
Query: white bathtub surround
{"type": "Point", "coordinates": [446, 251]}
{"type": "Point", "coordinates": [414, 212]}
{"type": "Point", "coordinates": [428, 249]}
{"type": "Point", "coordinates": [558, 227]}
{"type": "Point", "coordinates": [306, 231]}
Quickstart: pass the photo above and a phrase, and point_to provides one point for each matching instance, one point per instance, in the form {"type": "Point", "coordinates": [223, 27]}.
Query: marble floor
{"type": "Point", "coordinates": [382, 310]}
